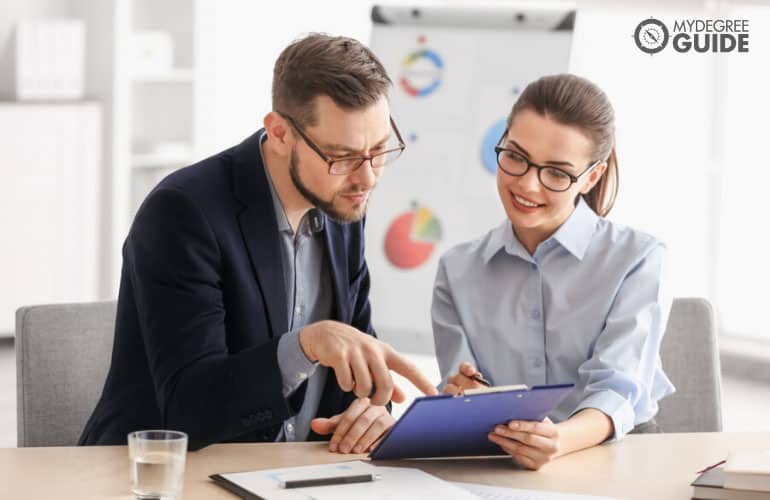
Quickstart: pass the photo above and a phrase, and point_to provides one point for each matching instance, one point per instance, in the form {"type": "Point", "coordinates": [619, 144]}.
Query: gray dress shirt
{"type": "Point", "coordinates": [309, 299]}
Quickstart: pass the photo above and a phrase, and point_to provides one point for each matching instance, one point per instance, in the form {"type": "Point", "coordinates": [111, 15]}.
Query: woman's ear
{"type": "Point", "coordinates": [594, 176]}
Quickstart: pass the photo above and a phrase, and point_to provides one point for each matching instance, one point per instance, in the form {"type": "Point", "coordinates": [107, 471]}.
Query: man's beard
{"type": "Point", "coordinates": [325, 206]}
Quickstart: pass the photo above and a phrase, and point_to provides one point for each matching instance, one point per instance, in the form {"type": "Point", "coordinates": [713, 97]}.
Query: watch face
{"type": "Point", "coordinates": [651, 36]}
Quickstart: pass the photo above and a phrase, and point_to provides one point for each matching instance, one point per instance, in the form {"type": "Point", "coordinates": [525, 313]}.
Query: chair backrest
{"type": "Point", "coordinates": [63, 354]}
{"type": "Point", "coordinates": [690, 356]}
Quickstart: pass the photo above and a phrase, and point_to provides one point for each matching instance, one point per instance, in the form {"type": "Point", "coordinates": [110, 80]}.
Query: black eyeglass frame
{"type": "Point", "coordinates": [331, 161]}
{"type": "Point", "coordinates": [573, 179]}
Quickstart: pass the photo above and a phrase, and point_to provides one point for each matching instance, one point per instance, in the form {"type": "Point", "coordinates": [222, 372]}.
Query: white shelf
{"type": "Point", "coordinates": [155, 117]}
{"type": "Point", "coordinates": [160, 160]}
{"type": "Point", "coordinates": [173, 75]}
{"type": "Point", "coordinates": [50, 154]}
{"type": "Point", "coordinates": [162, 154]}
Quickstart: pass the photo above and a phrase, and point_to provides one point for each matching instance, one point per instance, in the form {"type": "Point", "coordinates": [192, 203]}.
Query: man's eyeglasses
{"type": "Point", "coordinates": [552, 178]}
{"type": "Point", "coordinates": [347, 164]}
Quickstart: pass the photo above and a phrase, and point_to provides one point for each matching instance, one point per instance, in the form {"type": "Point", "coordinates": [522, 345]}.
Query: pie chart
{"type": "Point", "coordinates": [412, 237]}
{"type": "Point", "coordinates": [491, 138]}
{"type": "Point", "coordinates": [421, 73]}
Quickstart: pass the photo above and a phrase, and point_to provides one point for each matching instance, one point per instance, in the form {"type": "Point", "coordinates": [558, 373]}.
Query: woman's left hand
{"type": "Point", "coordinates": [531, 444]}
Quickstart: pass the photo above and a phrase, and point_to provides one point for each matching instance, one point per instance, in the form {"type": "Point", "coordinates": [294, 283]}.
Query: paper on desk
{"type": "Point", "coordinates": [396, 483]}
{"type": "Point", "coordinates": [267, 483]}
{"type": "Point", "coordinates": [497, 493]}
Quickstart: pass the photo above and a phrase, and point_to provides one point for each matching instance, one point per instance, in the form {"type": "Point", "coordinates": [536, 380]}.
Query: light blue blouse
{"type": "Point", "coordinates": [586, 309]}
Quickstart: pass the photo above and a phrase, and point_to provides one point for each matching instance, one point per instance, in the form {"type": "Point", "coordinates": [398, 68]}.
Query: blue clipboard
{"type": "Point", "coordinates": [457, 426]}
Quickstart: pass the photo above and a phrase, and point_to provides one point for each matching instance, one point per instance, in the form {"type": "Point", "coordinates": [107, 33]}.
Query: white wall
{"type": "Point", "coordinates": [691, 135]}
{"type": "Point", "coordinates": [743, 268]}
{"type": "Point", "coordinates": [664, 134]}
{"type": "Point", "coordinates": [49, 205]}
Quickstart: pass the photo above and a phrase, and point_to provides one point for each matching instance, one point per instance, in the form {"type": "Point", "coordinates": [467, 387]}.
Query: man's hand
{"type": "Point", "coordinates": [360, 361]}
{"type": "Point", "coordinates": [531, 444]}
{"type": "Point", "coordinates": [462, 380]}
{"type": "Point", "coordinates": [358, 429]}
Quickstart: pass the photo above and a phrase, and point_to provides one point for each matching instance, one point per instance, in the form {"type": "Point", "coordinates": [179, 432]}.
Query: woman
{"type": "Point", "coordinates": [557, 293]}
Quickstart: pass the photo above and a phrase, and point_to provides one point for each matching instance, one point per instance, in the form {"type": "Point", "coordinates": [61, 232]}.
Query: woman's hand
{"type": "Point", "coordinates": [531, 444]}
{"type": "Point", "coordinates": [463, 380]}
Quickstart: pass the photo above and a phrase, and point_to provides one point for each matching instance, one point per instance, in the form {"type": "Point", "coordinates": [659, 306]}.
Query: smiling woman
{"type": "Point", "coordinates": [557, 293]}
{"type": "Point", "coordinates": [569, 124]}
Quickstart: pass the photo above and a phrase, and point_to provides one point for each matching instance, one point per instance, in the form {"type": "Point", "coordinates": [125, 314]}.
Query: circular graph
{"type": "Point", "coordinates": [421, 73]}
{"type": "Point", "coordinates": [491, 138]}
{"type": "Point", "coordinates": [412, 237]}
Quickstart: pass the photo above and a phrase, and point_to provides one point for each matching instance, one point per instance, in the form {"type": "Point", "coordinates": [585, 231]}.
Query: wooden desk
{"type": "Point", "coordinates": [644, 467]}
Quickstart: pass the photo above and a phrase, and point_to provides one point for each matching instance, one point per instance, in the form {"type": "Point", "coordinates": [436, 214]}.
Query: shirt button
{"type": "Point", "coordinates": [538, 362]}
{"type": "Point", "coordinates": [298, 309]}
{"type": "Point", "coordinates": [290, 430]}
{"type": "Point", "coordinates": [535, 314]}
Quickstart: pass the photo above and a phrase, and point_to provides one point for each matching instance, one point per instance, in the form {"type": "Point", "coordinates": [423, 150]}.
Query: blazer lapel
{"type": "Point", "coordinates": [260, 229]}
{"type": "Point", "coordinates": [338, 267]}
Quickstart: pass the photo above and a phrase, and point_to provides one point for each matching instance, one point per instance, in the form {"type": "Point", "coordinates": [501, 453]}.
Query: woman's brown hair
{"type": "Point", "coordinates": [575, 101]}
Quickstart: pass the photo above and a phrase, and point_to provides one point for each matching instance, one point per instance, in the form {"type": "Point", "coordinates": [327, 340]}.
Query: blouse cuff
{"type": "Point", "coordinates": [614, 406]}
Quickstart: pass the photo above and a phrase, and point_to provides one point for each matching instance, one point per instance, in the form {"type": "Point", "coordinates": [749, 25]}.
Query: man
{"type": "Point", "coordinates": [244, 275]}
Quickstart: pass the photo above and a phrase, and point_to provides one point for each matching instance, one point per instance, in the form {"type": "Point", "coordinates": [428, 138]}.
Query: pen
{"type": "Point", "coordinates": [481, 380]}
{"type": "Point", "coordinates": [329, 481]}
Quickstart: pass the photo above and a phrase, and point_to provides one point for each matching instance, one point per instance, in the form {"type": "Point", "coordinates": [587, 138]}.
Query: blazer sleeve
{"type": "Point", "coordinates": [174, 265]}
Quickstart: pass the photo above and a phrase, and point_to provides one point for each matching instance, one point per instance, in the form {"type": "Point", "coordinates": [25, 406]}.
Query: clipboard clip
{"type": "Point", "coordinates": [499, 388]}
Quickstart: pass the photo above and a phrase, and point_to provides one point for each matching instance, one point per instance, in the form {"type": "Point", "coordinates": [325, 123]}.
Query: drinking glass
{"type": "Point", "coordinates": [157, 463]}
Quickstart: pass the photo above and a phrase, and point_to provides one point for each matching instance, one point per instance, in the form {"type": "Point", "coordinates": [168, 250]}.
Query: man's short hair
{"type": "Point", "coordinates": [318, 64]}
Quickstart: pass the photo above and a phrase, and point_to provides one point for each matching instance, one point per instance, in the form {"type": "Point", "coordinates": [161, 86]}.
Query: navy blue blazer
{"type": "Point", "coordinates": [202, 304]}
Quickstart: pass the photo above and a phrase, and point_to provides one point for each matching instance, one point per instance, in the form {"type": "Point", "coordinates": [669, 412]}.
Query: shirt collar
{"type": "Point", "coordinates": [574, 235]}
{"type": "Point", "coordinates": [502, 237]}
{"type": "Point", "coordinates": [576, 232]}
{"type": "Point", "coordinates": [312, 221]}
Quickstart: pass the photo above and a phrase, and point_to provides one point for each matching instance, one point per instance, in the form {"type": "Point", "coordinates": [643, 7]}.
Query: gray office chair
{"type": "Point", "coordinates": [690, 356]}
{"type": "Point", "coordinates": [63, 353]}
